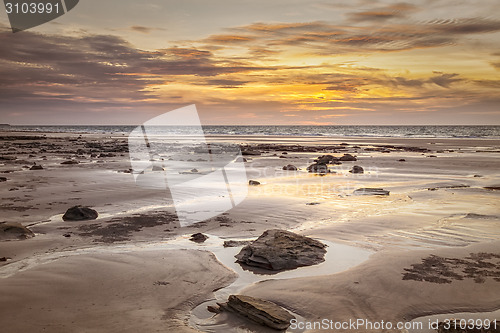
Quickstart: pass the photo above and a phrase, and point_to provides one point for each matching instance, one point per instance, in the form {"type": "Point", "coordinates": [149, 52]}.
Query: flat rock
{"type": "Point", "coordinates": [80, 213]}
{"type": "Point", "coordinates": [260, 311]}
{"type": "Point", "coordinates": [278, 250]}
{"type": "Point", "coordinates": [69, 162]}
{"type": "Point", "coordinates": [198, 237]}
{"type": "Point", "coordinates": [14, 230]}
{"type": "Point", "coordinates": [251, 153]}
{"type": "Point", "coordinates": [371, 191]}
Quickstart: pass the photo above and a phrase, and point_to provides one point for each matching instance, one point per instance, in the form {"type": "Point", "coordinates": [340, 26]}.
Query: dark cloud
{"type": "Point", "coordinates": [496, 65]}
{"type": "Point", "coordinates": [444, 80]}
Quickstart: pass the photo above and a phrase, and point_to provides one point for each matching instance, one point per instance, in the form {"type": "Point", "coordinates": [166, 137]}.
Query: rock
{"type": "Point", "coordinates": [432, 156]}
{"type": "Point", "coordinates": [357, 169]}
{"type": "Point", "coordinates": [318, 168]}
{"type": "Point", "coordinates": [106, 155]}
{"type": "Point", "coordinates": [198, 237]}
{"type": "Point", "coordinates": [70, 162]}
{"type": "Point", "coordinates": [14, 230]}
{"type": "Point", "coordinates": [478, 176]}
{"type": "Point", "coordinates": [194, 170]}
{"type": "Point", "coordinates": [3, 179]}
{"type": "Point", "coordinates": [67, 235]}
{"type": "Point", "coordinates": [251, 153]}
{"type": "Point", "coordinates": [279, 250]}
{"type": "Point", "coordinates": [326, 159]}
{"type": "Point", "coordinates": [3, 259]}
{"type": "Point", "coordinates": [7, 158]}
{"type": "Point", "coordinates": [79, 213]}
{"type": "Point", "coordinates": [312, 203]}
{"type": "Point", "coordinates": [347, 158]}
{"type": "Point", "coordinates": [371, 191]}
{"type": "Point", "coordinates": [214, 308]}
{"type": "Point", "coordinates": [253, 183]}
{"type": "Point", "coordinates": [290, 167]}
{"type": "Point", "coordinates": [36, 167]}
{"type": "Point", "coordinates": [260, 311]}
{"type": "Point", "coordinates": [241, 159]}
{"type": "Point", "coordinates": [234, 243]}
{"type": "Point", "coordinates": [401, 160]}
{"type": "Point", "coordinates": [494, 188]}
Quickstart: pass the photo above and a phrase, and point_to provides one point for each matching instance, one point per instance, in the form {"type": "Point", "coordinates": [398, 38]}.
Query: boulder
{"type": "Point", "coordinates": [14, 230]}
{"type": "Point", "coordinates": [357, 169]}
{"type": "Point", "coordinates": [347, 158]}
{"type": "Point", "coordinates": [278, 250]}
{"type": "Point", "coordinates": [253, 183]}
{"type": "Point", "coordinates": [290, 167]}
{"type": "Point", "coordinates": [371, 191]}
{"type": "Point", "coordinates": [198, 237]}
{"type": "Point", "coordinates": [36, 167]}
{"type": "Point", "coordinates": [318, 168]}
{"type": "Point", "coordinates": [401, 160]}
{"type": "Point", "coordinates": [79, 213]}
{"type": "Point", "coordinates": [259, 310]}
{"type": "Point", "coordinates": [3, 179]}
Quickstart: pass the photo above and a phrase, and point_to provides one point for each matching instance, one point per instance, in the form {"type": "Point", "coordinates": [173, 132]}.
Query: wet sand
{"type": "Point", "coordinates": [437, 206]}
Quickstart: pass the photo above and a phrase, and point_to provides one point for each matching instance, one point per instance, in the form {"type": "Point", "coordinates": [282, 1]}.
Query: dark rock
{"type": "Point", "coordinates": [14, 230]}
{"type": "Point", "coordinates": [290, 167]}
{"type": "Point", "coordinates": [347, 158]}
{"type": "Point", "coordinates": [253, 183]}
{"type": "Point", "coordinates": [284, 153]}
{"type": "Point", "coordinates": [36, 167]}
{"type": "Point", "coordinates": [194, 170]}
{"type": "Point", "coordinates": [106, 155]}
{"type": "Point", "coordinates": [67, 235]}
{"type": "Point", "coordinates": [198, 237]}
{"type": "Point", "coordinates": [250, 153]}
{"type": "Point", "coordinates": [234, 243]}
{"type": "Point", "coordinates": [3, 179]}
{"type": "Point", "coordinates": [494, 188]}
{"type": "Point", "coordinates": [478, 176]}
{"type": "Point", "coordinates": [70, 162]}
{"type": "Point", "coordinates": [401, 160]}
{"type": "Point", "coordinates": [279, 250]}
{"type": "Point", "coordinates": [3, 258]}
{"type": "Point", "coordinates": [357, 169]}
{"type": "Point", "coordinates": [7, 158]}
{"type": "Point", "coordinates": [214, 308]}
{"type": "Point", "coordinates": [432, 156]}
{"type": "Point", "coordinates": [312, 203]}
{"type": "Point", "coordinates": [260, 311]}
{"type": "Point", "coordinates": [326, 159]}
{"type": "Point", "coordinates": [318, 168]}
{"type": "Point", "coordinates": [79, 213]}
{"type": "Point", "coordinates": [371, 191]}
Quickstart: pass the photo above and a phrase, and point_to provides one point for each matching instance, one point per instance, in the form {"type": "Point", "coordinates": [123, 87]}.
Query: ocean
{"type": "Point", "coordinates": [451, 131]}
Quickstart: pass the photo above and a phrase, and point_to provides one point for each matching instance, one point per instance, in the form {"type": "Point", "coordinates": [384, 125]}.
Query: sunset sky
{"type": "Point", "coordinates": [257, 62]}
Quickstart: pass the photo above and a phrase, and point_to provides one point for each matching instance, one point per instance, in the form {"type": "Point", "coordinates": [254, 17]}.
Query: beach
{"type": "Point", "coordinates": [430, 246]}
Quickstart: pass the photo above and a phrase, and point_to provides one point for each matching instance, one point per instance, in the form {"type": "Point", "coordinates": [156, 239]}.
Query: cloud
{"type": "Point", "coordinates": [394, 11]}
{"type": "Point", "coordinates": [143, 29]}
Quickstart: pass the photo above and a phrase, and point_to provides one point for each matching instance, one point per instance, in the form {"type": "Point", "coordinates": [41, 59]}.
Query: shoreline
{"type": "Point", "coordinates": [436, 205]}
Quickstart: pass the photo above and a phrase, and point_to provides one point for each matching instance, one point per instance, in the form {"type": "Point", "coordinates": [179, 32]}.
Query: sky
{"type": "Point", "coordinates": [273, 62]}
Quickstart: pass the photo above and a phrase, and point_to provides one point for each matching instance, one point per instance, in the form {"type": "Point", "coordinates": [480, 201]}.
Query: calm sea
{"type": "Point", "coordinates": [326, 131]}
